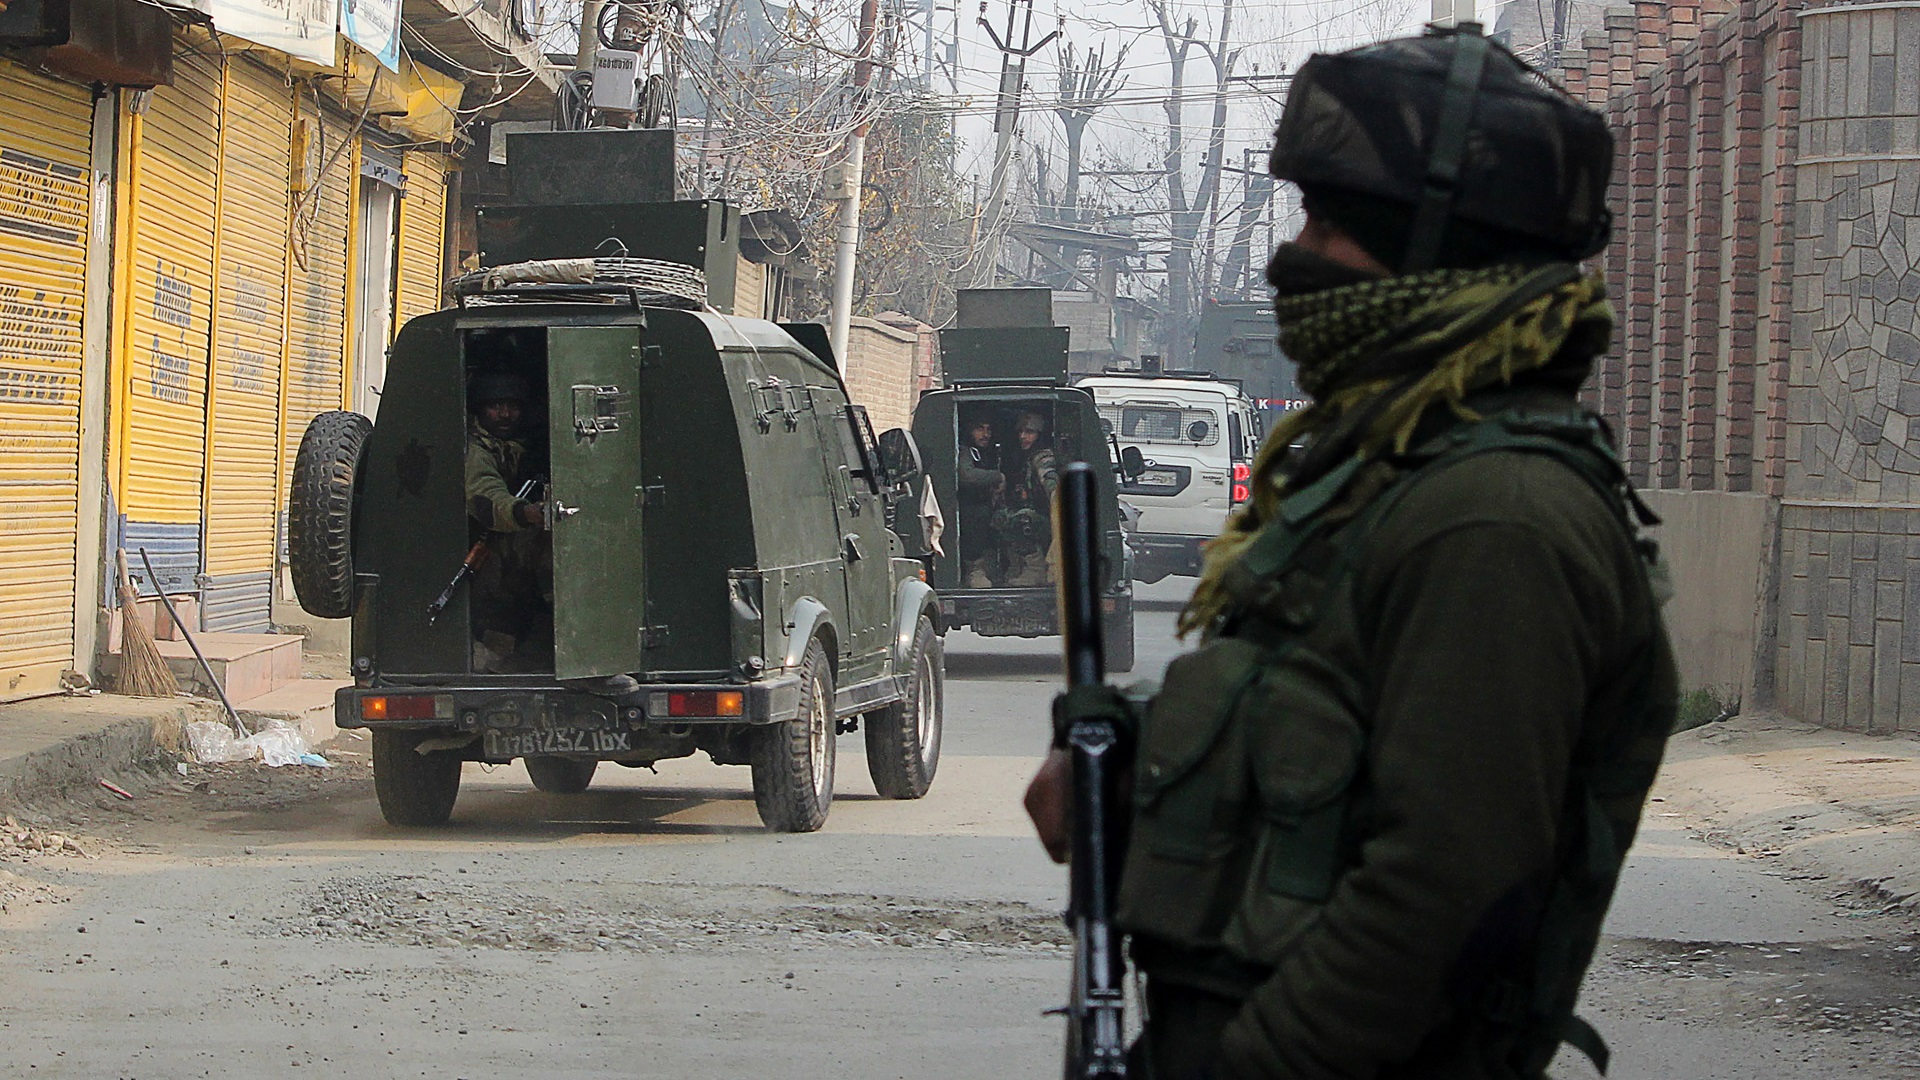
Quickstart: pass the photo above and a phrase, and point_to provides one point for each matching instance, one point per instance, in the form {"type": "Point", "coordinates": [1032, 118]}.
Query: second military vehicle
{"type": "Point", "coordinates": [1198, 435]}
{"type": "Point", "coordinates": [994, 439]}
{"type": "Point", "coordinates": [690, 551]}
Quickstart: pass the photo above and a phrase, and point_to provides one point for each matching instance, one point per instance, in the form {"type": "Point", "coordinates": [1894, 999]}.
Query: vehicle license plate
{"type": "Point", "coordinates": [521, 742]}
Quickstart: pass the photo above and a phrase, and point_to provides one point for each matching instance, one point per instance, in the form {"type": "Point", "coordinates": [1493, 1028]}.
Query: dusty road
{"type": "Point", "coordinates": [247, 923]}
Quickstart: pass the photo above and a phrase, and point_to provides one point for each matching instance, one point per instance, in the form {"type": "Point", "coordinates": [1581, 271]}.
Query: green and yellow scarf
{"type": "Point", "coordinates": [1377, 356]}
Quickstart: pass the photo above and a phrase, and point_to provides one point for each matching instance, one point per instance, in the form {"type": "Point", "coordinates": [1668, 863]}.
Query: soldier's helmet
{"type": "Point", "coordinates": [1446, 150]}
{"type": "Point", "coordinates": [498, 386]}
{"type": "Point", "coordinates": [1031, 421]}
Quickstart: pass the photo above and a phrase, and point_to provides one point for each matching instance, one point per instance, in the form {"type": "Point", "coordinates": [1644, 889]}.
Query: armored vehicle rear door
{"type": "Point", "coordinates": [594, 501]}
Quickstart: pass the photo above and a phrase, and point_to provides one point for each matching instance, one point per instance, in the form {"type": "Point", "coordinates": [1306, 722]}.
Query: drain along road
{"type": "Point", "coordinates": [254, 922]}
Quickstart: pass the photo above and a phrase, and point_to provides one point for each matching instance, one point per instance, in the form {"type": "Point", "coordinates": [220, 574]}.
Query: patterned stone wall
{"type": "Point", "coordinates": [1850, 515]}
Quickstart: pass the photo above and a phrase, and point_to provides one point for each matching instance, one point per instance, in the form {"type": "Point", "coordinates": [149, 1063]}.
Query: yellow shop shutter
{"type": "Point", "coordinates": [250, 317]}
{"type": "Point", "coordinates": [174, 176]}
{"type": "Point", "coordinates": [317, 291]}
{"type": "Point", "coordinates": [46, 128]}
{"type": "Point", "coordinates": [423, 232]}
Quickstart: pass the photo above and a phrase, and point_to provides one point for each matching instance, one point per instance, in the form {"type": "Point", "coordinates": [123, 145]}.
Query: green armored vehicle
{"type": "Point", "coordinates": [695, 554]}
{"type": "Point", "coordinates": [994, 439]}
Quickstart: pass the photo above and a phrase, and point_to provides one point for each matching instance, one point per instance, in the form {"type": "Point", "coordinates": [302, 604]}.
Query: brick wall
{"type": "Point", "coordinates": [883, 371]}
{"type": "Point", "coordinates": [1699, 93]}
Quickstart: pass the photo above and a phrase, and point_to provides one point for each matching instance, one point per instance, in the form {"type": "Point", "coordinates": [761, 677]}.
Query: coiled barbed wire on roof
{"type": "Point", "coordinates": [658, 283]}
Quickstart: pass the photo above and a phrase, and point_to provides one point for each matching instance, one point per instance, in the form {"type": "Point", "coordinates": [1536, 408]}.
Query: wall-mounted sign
{"type": "Point", "coordinates": [374, 25]}
{"type": "Point", "coordinates": [303, 29]}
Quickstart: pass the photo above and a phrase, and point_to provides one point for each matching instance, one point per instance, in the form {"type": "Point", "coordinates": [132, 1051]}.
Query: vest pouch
{"type": "Point", "coordinates": [1189, 848]}
{"type": "Point", "coordinates": [1306, 746]}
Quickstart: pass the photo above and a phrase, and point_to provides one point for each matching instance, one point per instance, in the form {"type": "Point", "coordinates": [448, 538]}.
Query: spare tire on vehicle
{"type": "Point", "coordinates": [320, 512]}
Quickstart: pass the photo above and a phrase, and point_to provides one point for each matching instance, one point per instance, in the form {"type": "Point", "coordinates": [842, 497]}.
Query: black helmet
{"type": "Point", "coordinates": [498, 386]}
{"type": "Point", "coordinates": [1446, 141]}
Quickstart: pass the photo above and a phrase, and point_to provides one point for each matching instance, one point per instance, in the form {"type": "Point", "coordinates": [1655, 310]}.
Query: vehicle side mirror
{"type": "Point", "coordinates": [1132, 463]}
{"type": "Point", "coordinates": [900, 456]}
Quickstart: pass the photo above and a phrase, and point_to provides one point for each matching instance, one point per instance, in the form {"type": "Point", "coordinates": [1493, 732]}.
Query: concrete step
{"type": "Point", "coordinates": [246, 665]}
{"type": "Point", "coordinates": [306, 703]}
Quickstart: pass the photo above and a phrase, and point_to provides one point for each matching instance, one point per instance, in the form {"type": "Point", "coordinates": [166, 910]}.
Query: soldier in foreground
{"type": "Point", "coordinates": [1379, 814]}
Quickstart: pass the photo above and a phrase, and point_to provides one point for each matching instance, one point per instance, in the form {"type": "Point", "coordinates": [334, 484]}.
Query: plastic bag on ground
{"type": "Point", "coordinates": [213, 742]}
{"type": "Point", "coordinates": [278, 743]}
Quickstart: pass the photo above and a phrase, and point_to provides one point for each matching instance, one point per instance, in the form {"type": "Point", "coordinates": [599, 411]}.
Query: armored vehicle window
{"type": "Point", "coordinates": [1162, 424]}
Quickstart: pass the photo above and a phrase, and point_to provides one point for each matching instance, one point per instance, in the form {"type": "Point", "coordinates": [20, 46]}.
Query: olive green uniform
{"type": "Point", "coordinates": [1357, 802]}
{"type": "Point", "coordinates": [495, 468]}
{"type": "Point", "coordinates": [513, 587]}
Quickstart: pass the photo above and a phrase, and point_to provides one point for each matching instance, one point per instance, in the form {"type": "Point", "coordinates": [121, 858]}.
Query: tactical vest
{"type": "Point", "coordinates": [1251, 756]}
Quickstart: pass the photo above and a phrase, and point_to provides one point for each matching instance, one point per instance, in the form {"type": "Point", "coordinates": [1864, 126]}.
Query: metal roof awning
{"type": "Point", "coordinates": [475, 40]}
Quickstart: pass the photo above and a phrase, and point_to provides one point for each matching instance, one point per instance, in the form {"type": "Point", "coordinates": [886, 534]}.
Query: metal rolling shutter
{"type": "Point", "coordinates": [423, 231]}
{"type": "Point", "coordinates": [45, 132]}
{"type": "Point", "coordinates": [317, 289]}
{"type": "Point", "coordinates": [249, 335]}
{"type": "Point", "coordinates": [175, 179]}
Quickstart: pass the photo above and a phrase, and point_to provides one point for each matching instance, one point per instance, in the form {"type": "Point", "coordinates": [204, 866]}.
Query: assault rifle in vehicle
{"type": "Point", "coordinates": [1088, 721]}
{"type": "Point", "coordinates": [476, 555]}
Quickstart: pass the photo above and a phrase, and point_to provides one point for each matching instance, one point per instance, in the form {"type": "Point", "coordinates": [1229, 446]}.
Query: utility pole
{"type": "Point", "coordinates": [844, 249]}
{"type": "Point", "coordinates": [1006, 117]}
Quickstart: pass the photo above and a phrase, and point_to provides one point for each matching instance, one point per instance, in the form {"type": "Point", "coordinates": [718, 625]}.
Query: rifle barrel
{"type": "Point", "coordinates": [1079, 564]}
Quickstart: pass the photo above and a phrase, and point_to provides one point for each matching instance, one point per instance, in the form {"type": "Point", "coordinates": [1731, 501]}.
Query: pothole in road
{"type": "Point", "coordinates": [590, 916]}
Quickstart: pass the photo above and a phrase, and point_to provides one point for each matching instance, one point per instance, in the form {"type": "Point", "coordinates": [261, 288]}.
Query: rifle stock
{"type": "Point", "coordinates": [1096, 1010]}
{"type": "Point", "coordinates": [476, 555]}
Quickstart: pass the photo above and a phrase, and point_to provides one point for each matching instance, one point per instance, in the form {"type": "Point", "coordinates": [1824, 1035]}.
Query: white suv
{"type": "Point", "coordinates": [1198, 434]}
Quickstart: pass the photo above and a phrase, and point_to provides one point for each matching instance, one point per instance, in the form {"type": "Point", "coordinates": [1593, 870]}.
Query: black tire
{"type": "Point", "coordinates": [1119, 643]}
{"type": "Point", "coordinates": [320, 512]}
{"type": "Point", "coordinates": [903, 739]}
{"type": "Point", "coordinates": [793, 761]}
{"type": "Point", "coordinates": [415, 789]}
{"type": "Point", "coordinates": [561, 775]}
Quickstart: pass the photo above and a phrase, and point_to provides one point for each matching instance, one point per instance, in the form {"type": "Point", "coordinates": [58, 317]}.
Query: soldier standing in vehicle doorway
{"type": "Point", "coordinates": [513, 588]}
{"type": "Point", "coordinates": [982, 486]}
{"type": "Point", "coordinates": [1027, 534]}
{"type": "Point", "coordinates": [1379, 813]}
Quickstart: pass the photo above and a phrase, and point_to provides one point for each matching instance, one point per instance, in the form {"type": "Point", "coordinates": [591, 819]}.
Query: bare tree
{"type": "Point", "coordinates": [1086, 84]}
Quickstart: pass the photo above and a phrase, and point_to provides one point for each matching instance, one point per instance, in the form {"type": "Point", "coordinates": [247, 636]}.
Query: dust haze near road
{"type": "Point", "coordinates": [271, 924]}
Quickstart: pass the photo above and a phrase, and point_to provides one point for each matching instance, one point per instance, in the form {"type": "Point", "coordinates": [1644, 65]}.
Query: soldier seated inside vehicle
{"type": "Point", "coordinates": [512, 599]}
{"type": "Point", "coordinates": [982, 491]}
{"type": "Point", "coordinates": [1025, 521]}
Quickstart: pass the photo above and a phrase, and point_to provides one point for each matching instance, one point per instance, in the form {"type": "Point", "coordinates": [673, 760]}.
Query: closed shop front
{"type": "Point", "coordinates": [423, 219]}
{"type": "Point", "coordinates": [171, 177]}
{"type": "Point", "coordinates": [317, 285]}
{"type": "Point", "coordinates": [46, 130]}
{"type": "Point", "coordinates": [244, 468]}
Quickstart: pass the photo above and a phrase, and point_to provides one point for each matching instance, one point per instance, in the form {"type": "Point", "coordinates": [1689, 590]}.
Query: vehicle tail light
{"type": "Point", "coordinates": [1241, 493]}
{"type": "Point", "coordinates": [706, 703]}
{"type": "Point", "coordinates": [401, 707]}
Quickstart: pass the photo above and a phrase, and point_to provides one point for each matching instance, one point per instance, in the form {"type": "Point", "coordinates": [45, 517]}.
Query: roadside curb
{"type": "Point", "coordinates": [50, 746]}
{"type": "Point", "coordinates": [1838, 804]}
